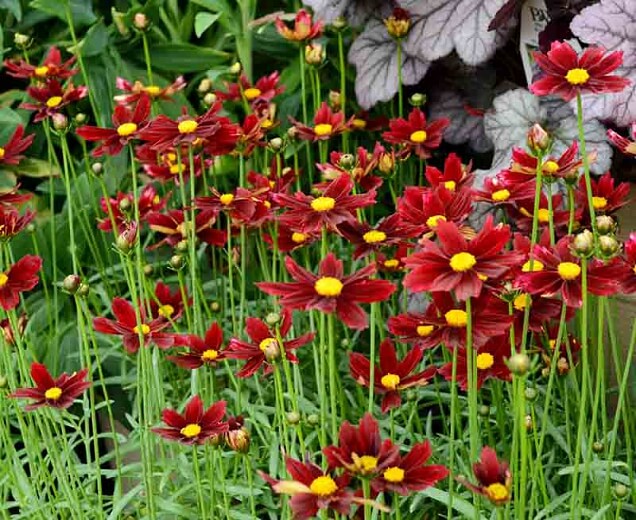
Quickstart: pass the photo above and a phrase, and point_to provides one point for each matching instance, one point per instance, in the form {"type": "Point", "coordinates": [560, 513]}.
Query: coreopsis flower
{"type": "Point", "coordinates": [312, 489]}
{"type": "Point", "coordinates": [266, 345]}
{"type": "Point", "coordinates": [496, 190]}
{"type": "Point", "coordinates": [8, 330]}
{"type": "Point", "coordinates": [393, 262]}
{"type": "Point", "coordinates": [567, 349]}
{"type": "Point", "coordinates": [127, 124]}
{"type": "Point", "coordinates": [521, 213]}
{"type": "Point", "coordinates": [240, 205]}
{"type": "Point", "coordinates": [168, 304]}
{"type": "Point", "coordinates": [251, 135]}
{"type": "Point", "coordinates": [414, 328]}
{"type": "Point", "coordinates": [273, 182]}
{"type": "Point", "coordinates": [288, 240]}
{"type": "Point", "coordinates": [416, 135]}
{"type": "Point", "coordinates": [524, 166]}
{"type": "Point", "coordinates": [628, 283]}
{"type": "Point", "coordinates": [398, 24]}
{"type": "Point", "coordinates": [125, 325]}
{"type": "Point", "coordinates": [454, 176]}
{"type": "Point", "coordinates": [20, 277]}
{"type": "Point", "coordinates": [59, 392]}
{"type": "Point", "coordinates": [165, 166]}
{"type": "Point", "coordinates": [410, 472]}
{"type": "Point", "coordinates": [51, 68]}
{"type": "Point", "coordinates": [460, 265]}
{"type": "Point", "coordinates": [174, 226]}
{"type": "Point", "coordinates": [557, 271]}
{"type": "Point", "coordinates": [625, 145]}
{"type": "Point", "coordinates": [201, 351]}
{"type": "Point", "coordinates": [120, 208]}
{"type": "Point", "coordinates": [11, 197]}
{"type": "Point", "coordinates": [359, 166]}
{"type": "Point", "coordinates": [361, 451]}
{"type": "Point", "coordinates": [391, 376]}
{"type": "Point", "coordinates": [197, 425]}
{"type": "Point", "coordinates": [51, 98]}
{"type": "Point", "coordinates": [330, 291]}
{"type": "Point", "coordinates": [12, 223]}
{"type": "Point", "coordinates": [11, 152]}
{"type": "Point", "coordinates": [327, 124]}
{"type": "Point", "coordinates": [607, 197]}
{"type": "Point", "coordinates": [303, 30]}
{"type": "Point", "coordinates": [336, 205]}
{"type": "Point", "coordinates": [490, 362]}
{"type": "Point", "coordinates": [494, 480]}
{"type": "Point", "coordinates": [134, 91]}
{"type": "Point", "coordinates": [542, 311]}
{"type": "Point", "coordinates": [565, 74]}
{"type": "Point", "coordinates": [237, 437]}
{"type": "Point", "coordinates": [257, 95]}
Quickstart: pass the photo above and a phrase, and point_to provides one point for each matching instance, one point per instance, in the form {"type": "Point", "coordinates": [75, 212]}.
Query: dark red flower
{"type": "Point", "coordinates": [11, 197]}
{"type": "Point", "coordinates": [8, 330]}
{"type": "Point", "coordinates": [625, 145]}
{"type": "Point", "coordinates": [360, 169]}
{"type": "Point", "coordinates": [127, 124]}
{"type": "Point", "coordinates": [391, 376]}
{"type": "Point", "coordinates": [20, 277]}
{"type": "Point", "coordinates": [11, 152]}
{"type": "Point", "coordinates": [454, 176]}
{"type": "Point", "coordinates": [12, 223]}
{"type": "Point", "coordinates": [250, 135]}
{"type": "Point", "coordinates": [494, 480]}
{"type": "Point", "coordinates": [415, 135]}
{"type": "Point", "coordinates": [59, 392]}
{"type": "Point", "coordinates": [304, 29]}
{"type": "Point", "coordinates": [137, 90]}
{"type": "Point", "coordinates": [413, 327]}
{"type": "Point", "coordinates": [565, 74]}
{"type": "Point", "coordinates": [607, 197]}
{"type": "Point", "coordinates": [330, 290]}
{"type": "Point", "coordinates": [410, 472]}
{"type": "Point", "coordinates": [120, 209]}
{"type": "Point", "coordinates": [567, 354]}
{"type": "Point", "coordinates": [498, 191]}
{"type": "Point", "coordinates": [628, 283]}
{"type": "Point", "coordinates": [289, 240]}
{"type": "Point", "coordinates": [125, 325]}
{"type": "Point", "coordinates": [196, 425]}
{"type": "Point", "coordinates": [173, 226]}
{"type": "Point", "coordinates": [240, 205]}
{"type": "Point", "coordinates": [524, 165]}
{"type": "Point", "coordinates": [201, 351]}
{"type": "Point", "coordinates": [51, 97]}
{"type": "Point", "coordinates": [394, 262]}
{"type": "Point", "coordinates": [266, 345]}
{"type": "Point", "coordinates": [542, 311]}
{"type": "Point", "coordinates": [522, 214]}
{"type": "Point", "coordinates": [167, 304]}
{"type": "Point", "coordinates": [257, 95]}
{"type": "Point", "coordinates": [51, 67]}
{"type": "Point", "coordinates": [165, 166]}
{"type": "Point", "coordinates": [327, 124]}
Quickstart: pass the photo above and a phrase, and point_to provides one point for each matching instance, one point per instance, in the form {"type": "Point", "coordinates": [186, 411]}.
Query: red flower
{"type": "Point", "coordinates": [524, 165]}
{"type": "Point", "coordinates": [10, 152]}
{"type": "Point", "coordinates": [125, 325]}
{"type": "Point", "coordinates": [459, 265]}
{"type": "Point", "coordinates": [410, 472]}
{"type": "Point", "coordinates": [304, 29]}
{"type": "Point", "coordinates": [173, 226]}
{"type": "Point", "coordinates": [164, 166]}
{"type": "Point", "coordinates": [12, 223]}
{"type": "Point", "coordinates": [490, 362]}
{"type": "Point", "coordinates": [309, 214]}
{"type": "Point", "coordinates": [522, 213]}
{"type": "Point", "coordinates": [500, 191]}
{"type": "Point", "coordinates": [265, 347]}
{"type": "Point", "coordinates": [127, 124]}
{"type": "Point", "coordinates": [240, 205]}
{"type": "Point", "coordinates": [51, 68]}
{"type": "Point", "coordinates": [566, 74]}
{"type": "Point", "coordinates": [250, 135]}
{"type": "Point", "coordinates": [416, 135]}
{"type": "Point", "coordinates": [568, 349]}
{"type": "Point", "coordinates": [196, 425]}
{"type": "Point", "coordinates": [361, 451]}
{"type": "Point", "coordinates": [330, 291]}
{"type": "Point", "coordinates": [137, 90]}
{"type": "Point", "coordinates": [414, 328]}
{"type": "Point", "coordinates": [21, 276]}
{"type": "Point", "coordinates": [166, 304]}
{"type": "Point", "coordinates": [50, 98]}
{"type": "Point", "coordinates": [360, 169]}
{"type": "Point", "coordinates": [493, 477]}
{"type": "Point", "coordinates": [261, 93]}
{"type": "Point", "coordinates": [558, 271]}
{"type": "Point", "coordinates": [59, 392]}
{"type": "Point", "coordinates": [11, 197]}
{"type": "Point", "coordinates": [628, 284]}
{"type": "Point", "coordinates": [327, 124]}
{"type": "Point", "coordinates": [288, 239]}
{"type": "Point", "coordinates": [121, 208]}
{"type": "Point", "coordinates": [391, 376]}
{"type": "Point", "coordinates": [606, 196]}
{"type": "Point", "coordinates": [454, 176]}
{"type": "Point", "coordinates": [201, 351]}
{"type": "Point", "coordinates": [627, 146]}
{"type": "Point", "coordinates": [542, 311]}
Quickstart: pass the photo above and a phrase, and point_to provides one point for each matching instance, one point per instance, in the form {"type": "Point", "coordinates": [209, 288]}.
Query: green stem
{"type": "Point", "coordinates": [586, 162]}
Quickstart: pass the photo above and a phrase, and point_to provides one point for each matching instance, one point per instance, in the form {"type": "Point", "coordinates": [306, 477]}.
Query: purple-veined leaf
{"type": "Point", "coordinates": [355, 11]}
{"type": "Point", "coordinates": [611, 24]}
{"type": "Point", "coordinates": [510, 9]}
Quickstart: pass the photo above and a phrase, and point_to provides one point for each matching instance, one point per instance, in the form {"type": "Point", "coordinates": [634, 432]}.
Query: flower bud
{"type": "Point", "coordinates": [538, 139]}
{"type": "Point", "coordinates": [598, 447]}
{"type": "Point", "coordinates": [563, 366]}
{"type": "Point", "coordinates": [125, 205]}
{"type": "Point", "coordinates": [204, 86]}
{"type": "Point", "coordinates": [176, 262]}
{"type": "Point", "coordinates": [292, 132]}
{"type": "Point", "coordinates": [236, 68]}
{"type": "Point", "coordinates": [347, 161]}
{"type": "Point", "coordinates": [530, 394]}
{"type": "Point", "coordinates": [417, 99]}
{"type": "Point", "coordinates": [83, 290]}
{"type": "Point", "coordinates": [484, 410]}
{"type": "Point", "coordinates": [528, 423]}
{"type": "Point", "coordinates": [313, 419]}
{"type": "Point", "coordinates": [335, 100]}
{"type": "Point", "coordinates": [293, 418]}
{"type": "Point", "coordinates": [7, 330]}
{"type": "Point", "coordinates": [271, 349]}
{"type": "Point", "coordinates": [344, 342]}
{"type": "Point", "coordinates": [80, 118]}
{"type": "Point", "coordinates": [127, 238]}
{"type": "Point", "coordinates": [97, 168]}
{"type": "Point", "coordinates": [314, 54]}
{"type": "Point", "coordinates": [238, 440]}
{"type": "Point", "coordinates": [149, 270]}
{"type": "Point", "coordinates": [608, 246]}
{"type": "Point", "coordinates": [215, 306]}
{"type": "Point", "coordinates": [3, 382]}
{"type": "Point", "coordinates": [209, 98]}
{"type": "Point", "coordinates": [71, 283]}
{"type": "Point", "coordinates": [519, 364]}
{"type": "Point", "coordinates": [182, 246]}
{"type": "Point", "coordinates": [386, 163]}
{"type": "Point", "coordinates": [398, 24]}
{"type": "Point", "coordinates": [276, 144]}
{"type": "Point", "coordinates": [60, 121]}
{"type": "Point", "coordinates": [620, 490]}
{"type": "Point", "coordinates": [272, 318]}
{"type": "Point", "coordinates": [140, 21]}
{"type": "Point", "coordinates": [583, 244]}
{"type": "Point", "coordinates": [30, 227]}
{"type": "Point", "coordinates": [339, 23]}
{"type": "Point", "coordinates": [21, 40]}
{"type": "Point", "coordinates": [605, 225]}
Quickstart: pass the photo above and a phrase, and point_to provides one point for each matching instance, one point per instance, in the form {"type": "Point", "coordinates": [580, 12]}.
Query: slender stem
{"type": "Point", "coordinates": [586, 162]}
{"type": "Point", "coordinates": [372, 358]}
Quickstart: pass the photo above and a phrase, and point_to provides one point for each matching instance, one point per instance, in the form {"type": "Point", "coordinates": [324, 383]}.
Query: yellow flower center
{"type": "Point", "coordinates": [393, 263]}
{"type": "Point", "coordinates": [266, 343]}
{"type": "Point", "coordinates": [569, 270]}
{"type": "Point", "coordinates": [432, 222]}
{"type": "Point", "coordinates": [323, 486]}
{"type": "Point", "coordinates": [390, 381]}
{"type": "Point", "coordinates": [1, 152]}
{"type": "Point", "coordinates": [522, 301]}
{"type": "Point", "coordinates": [166, 310]}
{"type": "Point", "coordinates": [599, 202]}
{"type": "Point", "coordinates": [126, 129]}
{"type": "Point", "coordinates": [424, 330]}
{"type": "Point", "coordinates": [323, 129]}
{"type": "Point", "coordinates": [456, 318]}
{"type": "Point", "coordinates": [153, 90]}
{"type": "Point", "coordinates": [53, 394]}
{"type": "Point", "coordinates": [394, 474]}
{"type": "Point", "coordinates": [145, 329]}
{"type": "Point", "coordinates": [497, 492]}
{"type": "Point", "coordinates": [323, 204]}
{"type": "Point", "coordinates": [226, 199]}
{"type": "Point", "coordinates": [328, 286]}
{"type": "Point", "coordinates": [550, 167]}
{"type": "Point", "coordinates": [485, 361]}
{"type": "Point", "coordinates": [462, 262]}
{"type": "Point", "coordinates": [54, 101]}
{"type": "Point", "coordinates": [156, 200]}
{"type": "Point", "coordinates": [374, 236]}
{"type": "Point", "coordinates": [532, 266]}
{"type": "Point", "coordinates": [251, 93]}
{"type": "Point", "coordinates": [298, 238]}
{"type": "Point", "coordinates": [450, 185]}
{"type": "Point", "coordinates": [191, 430]}
{"type": "Point", "coordinates": [418, 137]}
{"type": "Point", "coordinates": [552, 344]}
{"type": "Point", "coordinates": [175, 168]}
{"type": "Point", "coordinates": [3, 279]}
{"type": "Point", "coordinates": [365, 464]}
{"type": "Point", "coordinates": [577, 76]}
{"type": "Point", "coordinates": [543, 216]}
{"type": "Point", "coordinates": [500, 195]}
{"type": "Point", "coordinates": [360, 124]}
{"type": "Point", "coordinates": [267, 123]}
{"type": "Point", "coordinates": [187, 127]}
{"type": "Point", "coordinates": [210, 354]}
{"type": "Point", "coordinates": [41, 71]}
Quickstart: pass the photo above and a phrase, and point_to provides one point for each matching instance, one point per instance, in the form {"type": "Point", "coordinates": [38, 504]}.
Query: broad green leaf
{"type": "Point", "coordinates": [81, 10]}
{"type": "Point", "coordinates": [203, 21]}
{"type": "Point", "coordinates": [218, 6]}
{"type": "Point", "coordinates": [9, 120]}
{"type": "Point", "coordinates": [95, 41]}
{"type": "Point", "coordinates": [36, 168]}
{"type": "Point", "coordinates": [183, 57]}
{"type": "Point", "coordinates": [14, 7]}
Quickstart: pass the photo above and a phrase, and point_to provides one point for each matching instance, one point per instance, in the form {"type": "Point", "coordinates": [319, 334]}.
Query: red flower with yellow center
{"type": "Point", "coordinates": [524, 165]}
{"type": "Point", "coordinates": [327, 124]}
{"type": "Point", "coordinates": [51, 98]}
{"type": "Point", "coordinates": [12, 223]}
{"type": "Point", "coordinates": [175, 227]}
{"type": "Point", "coordinates": [416, 135]}
{"type": "Point", "coordinates": [494, 480]}
{"type": "Point", "coordinates": [10, 152]}
{"type": "Point", "coordinates": [359, 167]}
{"type": "Point", "coordinates": [241, 204]}
{"type": "Point", "coordinates": [20, 277]}
{"type": "Point", "coordinates": [137, 90]}
{"type": "Point", "coordinates": [303, 29]}
{"type": "Point", "coordinates": [522, 214]}
{"type": "Point", "coordinates": [51, 67]}
{"type": "Point", "coordinates": [414, 328]}
{"type": "Point", "coordinates": [628, 283]}
{"type": "Point", "coordinates": [257, 95]}
{"type": "Point", "coordinates": [59, 392]}
{"type": "Point", "coordinates": [330, 290]}
{"type": "Point", "coordinates": [607, 197]}
{"type": "Point", "coordinates": [498, 191]}
{"type": "Point", "coordinates": [166, 304]}
{"type": "Point", "coordinates": [565, 74]}
{"type": "Point", "coordinates": [201, 351]}
{"type": "Point", "coordinates": [120, 209]}
{"type": "Point", "coordinates": [165, 166]}
{"type": "Point", "coordinates": [454, 177]}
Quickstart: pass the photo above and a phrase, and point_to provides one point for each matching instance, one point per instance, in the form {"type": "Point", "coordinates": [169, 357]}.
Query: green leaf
{"type": "Point", "coordinates": [9, 119]}
{"type": "Point", "coordinates": [81, 10]}
{"type": "Point", "coordinates": [459, 504]}
{"type": "Point", "coordinates": [218, 6]}
{"type": "Point", "coordinates": [183, 57]}
{"type": "Point", "coordinates": [203, 21]}
{"type": "Point", "coordinates": [95, 41]}
{"type": "Point", "coordinates": [14, 7]}
{"type": "Point", "coordinates": [36, 168]}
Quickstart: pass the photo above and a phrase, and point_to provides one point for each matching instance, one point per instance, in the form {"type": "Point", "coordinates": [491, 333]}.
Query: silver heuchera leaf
{"type": "Point", "coordinates": [611, 24]}
{"type": "Point", "coordinates": [374, 55]}
{"type": "Point", "coordinates": [464, 127]}
{"type": "Point", "coordinates": [514, 113]}
{"type": "Point", "coordinates": [355, 11]}
{"type": "Point", "coordinates": [439, 26]}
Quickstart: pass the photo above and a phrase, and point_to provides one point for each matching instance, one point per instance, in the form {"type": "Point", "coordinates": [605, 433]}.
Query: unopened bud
{"type": "Point", "coordinates": [583, 244]}
{"type": "Point", "coordinates": [530, 394]}
{"type": "Point", "coordinates": [140, 21]}
{"type": "Point", "coordinates": [276, 144]}
{"type": "Point", "coordinates": [484, 410]}
{"type": "Point", "coordinates": [3, 382]}
{"type": "Point", "coordinates": [417, 99]}
{"type": "Point", "coordinates": [292, 132]}
{"type": "Point", "coordinates": [127, 238]}
{"type": "Point", "coordinates": [149, 270]}
{"type": "Point", "coordinates": [563, 366]}
{"type": "Point", "coordinates": [608, 246]}
{"type": "Point", "coordinates": [125, 205]}
{"type": "Point", "coordinates": [238, 440]}
{"type": "Point", "coordinates": [313, 419]}
{"type": "Point", "coordinates": [272, 318]}
{"type": "Point", "coordinates": [119, 19]}
{"type": "Point", "coordinates": [21, 40]}
{"type": "Point", "coordinates": [339, 23]}
{"type": "Point", "coordinates": [528, 423]}
{"type": "Point", "coordinates": [398, 24]}
{"type": "Point", "coordinates": [205, 85]}
{"type": "Point", "coordinates": [519, 364]}
{"type": "Point", "coordinates": [605, 225]}
{"type": "Point", "coordinates": [30, 227]}
{"type": "Point", "coordinates": [60, 121]}
{"type": "Point", "coordinates": [538, 139]}
{"type": "Point", "coordinates": [621, 491]}
{"type": "Point", "coordinates": [293, 418]}
{"type": "Point", "coordinates": [182, 246]}
{"type": "Point", "coordinates": [347, 161]}
{"type": "Point", "coordinates": [335, 100]}
{"type": "Point", "coordinates": [236, 68]}
{"type": "Point", "coordinates": [83, 290]}
{"type": "Point", "coordinates": [344, 342]}
{"type": "Point", "coordinates": [314, 54]}
{"type": "Point", "coordinates": [215, 306]}
{"type": "Point", "coordinates": [209, 98]}
{"type": "Point", "coordinates": [271, 349]}
{"type": "Point", "coordinates": [386, 164]}
{"type": "Point", "coordinates": [97, 168]}
{"type": "Point", "coordinates": [80, 118]}
{"type": "Point", "coordinates": [71, 283]}
{"type": "Point", "coordinates": [598, 447]}
{"type": "Point", "coordinates": [176, 262]}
